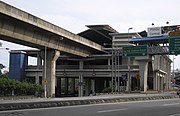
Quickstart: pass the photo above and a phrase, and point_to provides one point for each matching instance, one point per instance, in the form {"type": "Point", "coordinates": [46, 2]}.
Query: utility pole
{"type": "Point", "coordinates": [45, 58]}
{"type": "Point", "coordinates": [129, 71]}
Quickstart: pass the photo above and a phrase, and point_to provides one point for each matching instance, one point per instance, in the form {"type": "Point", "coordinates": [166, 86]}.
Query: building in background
{"type": "Point", "coordinates": [18, 63]}
{"type": "Point", "coordinates": [108, 72]}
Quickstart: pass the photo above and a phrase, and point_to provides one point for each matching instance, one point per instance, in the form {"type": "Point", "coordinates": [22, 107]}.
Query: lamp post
{"type": "Point", "coordinates": [45, 85]}
{"type": "Point", "coordinates": [129, 71]}
{"type": "Point", "coordinates": [152, 24]}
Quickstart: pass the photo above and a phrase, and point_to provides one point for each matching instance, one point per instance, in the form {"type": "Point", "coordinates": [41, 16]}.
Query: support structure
{"type": "Point", "coordinates": [143, 66]}
{"type": "Point", "coordinates": [50, 58]}
{"type": "Point", "coordinates": [80, 87]}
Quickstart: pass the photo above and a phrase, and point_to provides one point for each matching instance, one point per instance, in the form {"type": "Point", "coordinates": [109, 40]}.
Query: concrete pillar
{"type": "Point", "coordinates": [155, 82]}
{"type": "Point", "coordinates": [39, 63]}
{"type": "Point", "coordinates": [158, 82]}
{"type": "Point", "coordinates": [93, 86]}
{"type": "Point", "coordinates": [80, 87]}
{"type": "Point", "coordinates": [50, 71]}
{"type": "Point", "coordinates": [143, 66]}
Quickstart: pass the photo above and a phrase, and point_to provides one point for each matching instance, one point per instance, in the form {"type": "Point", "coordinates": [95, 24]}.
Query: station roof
{"type": "Point", "coordinates": [160, 39]}
{"type": "Point", "coordinates": [99, 33]}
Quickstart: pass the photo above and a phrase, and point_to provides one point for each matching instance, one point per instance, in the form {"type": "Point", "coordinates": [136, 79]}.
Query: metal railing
{"type": "Point", "coordinates": [86, 67]}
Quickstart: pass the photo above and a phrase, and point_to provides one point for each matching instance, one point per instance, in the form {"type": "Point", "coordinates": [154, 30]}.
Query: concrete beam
{"type": "Point", "coordinates": [10, 32]}
{"type": "Point", "coordinates": [40, 23]}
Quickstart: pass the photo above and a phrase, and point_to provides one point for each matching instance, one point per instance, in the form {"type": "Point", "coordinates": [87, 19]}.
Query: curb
{"type": "Point", "coordinates": [46, 104]}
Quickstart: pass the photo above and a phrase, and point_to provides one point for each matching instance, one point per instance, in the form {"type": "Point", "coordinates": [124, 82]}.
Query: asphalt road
{"type": "Point", "coordinates": [169, 107]}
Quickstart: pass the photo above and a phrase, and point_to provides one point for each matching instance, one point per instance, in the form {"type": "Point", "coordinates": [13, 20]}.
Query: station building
{"type": "Point", "coordinates": [98, 73]}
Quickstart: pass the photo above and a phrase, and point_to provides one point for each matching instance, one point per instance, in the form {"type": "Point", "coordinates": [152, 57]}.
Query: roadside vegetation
{"type": "Point", "coordinates": [10, 87]}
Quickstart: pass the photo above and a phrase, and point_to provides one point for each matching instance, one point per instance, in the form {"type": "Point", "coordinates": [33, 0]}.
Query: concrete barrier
{"type": "Point", "coordinates": [61, 103]}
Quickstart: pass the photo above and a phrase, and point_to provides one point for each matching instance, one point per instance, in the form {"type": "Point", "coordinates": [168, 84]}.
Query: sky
{"type": "Point", "coordinates": [73, 15]}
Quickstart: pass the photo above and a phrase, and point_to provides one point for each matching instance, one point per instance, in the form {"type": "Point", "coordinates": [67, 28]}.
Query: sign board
{"type": "Point", "coordinates": [154, 31]}
{"type": "Point", "coordinates": [45, 82]}
{"type": "Point", "coordinates": [174, 33]}
{"type": "Point", "coordinates": [124, 77]}
{"type": "Point", "coordinates": [162, 31]}
{"type": "Point", "coordinates": [174, 45]}
{"type": "Point", "coordinates": [133, 51]}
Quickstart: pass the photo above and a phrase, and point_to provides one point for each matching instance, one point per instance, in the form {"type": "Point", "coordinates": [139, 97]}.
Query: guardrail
{"type": "Point", "coordinates": [87, 67]}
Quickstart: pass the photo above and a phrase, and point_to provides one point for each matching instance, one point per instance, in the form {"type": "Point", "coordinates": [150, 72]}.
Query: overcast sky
{"type": "Point", "coordinates": [73, 15]}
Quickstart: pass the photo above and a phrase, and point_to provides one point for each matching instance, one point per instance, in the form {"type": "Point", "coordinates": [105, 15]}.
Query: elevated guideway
{"type": "Point", "coordinates": [20, 27]}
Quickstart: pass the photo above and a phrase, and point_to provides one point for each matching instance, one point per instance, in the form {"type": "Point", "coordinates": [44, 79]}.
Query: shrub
{"type": "Point", "coordinates": [107, 90]}
{"type": "Point", "coordinates": [11, 87]}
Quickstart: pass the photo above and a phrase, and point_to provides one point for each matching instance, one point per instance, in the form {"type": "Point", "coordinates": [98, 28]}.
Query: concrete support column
{"type": "Point", "coordinates": [158, 84]}
{"type": "Point", "coordinates": [50, 70]}
{"type": "Point", "coordinates": [93, 86]}
{"type": "Point", "coordinates": [155, 82]}
{"type": "Point", "coordinates": [143, 66]}
{"type": "Point", "coordinates": [80, 88]}
{"type": "Point", "coordinates": [39, 63]}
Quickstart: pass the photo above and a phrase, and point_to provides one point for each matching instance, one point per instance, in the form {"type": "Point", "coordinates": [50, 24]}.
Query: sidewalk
{"type": "Point", "coordinates": [71, 101]}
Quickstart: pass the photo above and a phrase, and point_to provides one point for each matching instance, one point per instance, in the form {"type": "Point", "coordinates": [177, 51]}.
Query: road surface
{"type": "Point", "coordinates": [170, 107]}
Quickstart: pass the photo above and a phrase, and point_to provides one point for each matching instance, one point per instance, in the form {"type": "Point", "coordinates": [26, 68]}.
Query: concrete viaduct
{"type": "Point", "coordinates": [23, 28]}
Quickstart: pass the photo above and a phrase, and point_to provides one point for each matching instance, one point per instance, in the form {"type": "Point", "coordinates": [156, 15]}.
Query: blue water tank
{"type": "Point", "coordinates": [17, 65]}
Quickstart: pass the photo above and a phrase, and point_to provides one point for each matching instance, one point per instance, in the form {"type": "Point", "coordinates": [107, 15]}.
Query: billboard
{"type": "Point", "coordinates": [154, 31]}
{"type": "Point", "coordinates": [162, 31]}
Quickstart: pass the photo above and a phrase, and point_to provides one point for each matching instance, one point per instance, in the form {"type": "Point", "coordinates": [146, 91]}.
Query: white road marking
{"type": "Point", "coordinates": [113, 110]}
{"type": "Point", "coordinates": [175, 115]}
{"type": "Point", "coordinates": [78, 106]}
{"type": "Point", "coordinates": [172, 104]}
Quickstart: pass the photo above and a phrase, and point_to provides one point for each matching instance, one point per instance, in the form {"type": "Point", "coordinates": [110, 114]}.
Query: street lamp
{"type": "Point", "coordinates": [167, 22]}
{"type": "Point", "coordinates": [45, 56]}
{"type": "Point", "coordinates": [152, 24]}
{"type": "Point", "coordinates": [129, 71]}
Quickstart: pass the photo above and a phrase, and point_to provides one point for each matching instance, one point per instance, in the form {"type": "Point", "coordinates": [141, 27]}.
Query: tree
{"type": "Point", "coordinates": [1, 67]}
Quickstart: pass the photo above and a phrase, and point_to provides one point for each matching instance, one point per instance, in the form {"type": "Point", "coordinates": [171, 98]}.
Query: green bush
{"type": "Point", "coordinates": [11, 87]}
{"type": "Point", "coordinates": [107, 90]}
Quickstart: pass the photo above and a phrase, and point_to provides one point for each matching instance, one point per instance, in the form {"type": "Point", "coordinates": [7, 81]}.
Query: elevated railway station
{"type": "Point", "coordinates": [97, 60]}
